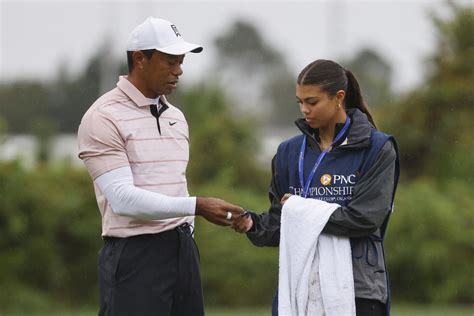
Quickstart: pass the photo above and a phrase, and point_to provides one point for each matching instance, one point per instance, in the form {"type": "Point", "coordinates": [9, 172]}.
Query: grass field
{"type": "Point", "coordinates": [397, 310]}
{"type": "Point", "coordinates": [404, 310]}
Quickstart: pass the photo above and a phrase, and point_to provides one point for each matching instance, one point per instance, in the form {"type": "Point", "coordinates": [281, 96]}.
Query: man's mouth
{"type": "Point", "coordinates": [173, 83]}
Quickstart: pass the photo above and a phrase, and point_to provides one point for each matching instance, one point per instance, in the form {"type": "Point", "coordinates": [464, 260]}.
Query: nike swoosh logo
{"type": "Point", "coordinates": [172, 123]}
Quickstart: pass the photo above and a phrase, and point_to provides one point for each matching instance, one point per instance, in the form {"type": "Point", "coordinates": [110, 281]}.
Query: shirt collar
{"type": "Point", "coordinates": [132, 92]}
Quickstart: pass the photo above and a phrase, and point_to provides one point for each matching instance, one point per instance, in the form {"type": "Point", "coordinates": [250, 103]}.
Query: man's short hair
{"type": "Point", "coordinates": [148, 53]}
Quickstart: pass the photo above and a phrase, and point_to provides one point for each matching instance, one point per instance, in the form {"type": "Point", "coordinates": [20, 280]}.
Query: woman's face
{"type": "Point", "coordinates": [318, 107]}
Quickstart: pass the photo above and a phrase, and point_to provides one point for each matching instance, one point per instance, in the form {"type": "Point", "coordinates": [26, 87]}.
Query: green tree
{"type": "Point", "coordinates": [44, 131]}
{"type": "Point", "coordinates": [49, 235]}
{"type": "Point", "coordinates": [429, 243]}
{"type": "Point", "coordinates": [242, 47]}
{"type": "Point", "coordinates": [62, 101]}
{"type": "Point", "coordinates": [429, 240]}
{"type": "Point", "coordinates": [3, 130]}
{"type": "Point", "coordinates": [256, 75]}
{"type": "Point", "coordinates": [223, 146]}
{"type": "Point", "coordinates": [71, 96]}
{"type": "Point", "coordinates": [22, 103]}
{"type": "Point", "coordinates": [434, 122]}
{"type": "Point", "coordinates": [374, 75]}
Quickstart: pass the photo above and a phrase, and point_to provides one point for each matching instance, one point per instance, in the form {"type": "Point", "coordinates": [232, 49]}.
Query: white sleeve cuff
{"type": "Point", "coordinates": [128, 200]}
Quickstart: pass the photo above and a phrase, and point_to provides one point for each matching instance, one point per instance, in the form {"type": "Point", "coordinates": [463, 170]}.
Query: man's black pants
{"type": "Point", "coordinates": [156, 274]}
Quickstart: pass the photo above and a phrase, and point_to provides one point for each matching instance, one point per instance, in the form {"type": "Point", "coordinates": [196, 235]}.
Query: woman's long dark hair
{"type": "Point", "coordinates": [332, 77]}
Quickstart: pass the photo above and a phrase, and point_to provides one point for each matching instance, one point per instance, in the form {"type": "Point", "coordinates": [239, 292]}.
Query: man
{"type": "Point", "coordinates": [135, 146]}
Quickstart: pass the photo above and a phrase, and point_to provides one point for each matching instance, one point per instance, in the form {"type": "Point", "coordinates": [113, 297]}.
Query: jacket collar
{"type": "Point", "coordinates": [357, 136]}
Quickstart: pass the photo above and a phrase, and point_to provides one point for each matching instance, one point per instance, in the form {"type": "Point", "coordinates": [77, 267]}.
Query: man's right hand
{"type": "Point", "coordinates": [216, 210]}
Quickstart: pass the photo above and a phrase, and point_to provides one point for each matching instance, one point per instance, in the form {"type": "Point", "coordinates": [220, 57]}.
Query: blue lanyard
{"type": "Point", "coordinates": [305, 187]}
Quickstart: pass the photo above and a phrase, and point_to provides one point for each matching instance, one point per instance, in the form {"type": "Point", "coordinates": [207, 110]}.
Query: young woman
{"type": "Point", "coordinates": [340, 157]}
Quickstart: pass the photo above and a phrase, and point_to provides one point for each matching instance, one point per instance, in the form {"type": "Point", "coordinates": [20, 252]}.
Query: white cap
{"type": "Point", "coordinates": [161, 35]}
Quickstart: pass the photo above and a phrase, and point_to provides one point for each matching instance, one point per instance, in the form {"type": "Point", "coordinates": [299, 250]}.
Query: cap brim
{"type": "Point", "coordinates": [181, 48]}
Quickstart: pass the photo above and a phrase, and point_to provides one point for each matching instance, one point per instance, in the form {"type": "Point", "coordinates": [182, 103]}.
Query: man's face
{"type": "Point", "coordinates": [160, 73]}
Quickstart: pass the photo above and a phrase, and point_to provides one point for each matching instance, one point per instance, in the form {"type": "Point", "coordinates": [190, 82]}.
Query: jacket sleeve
{"type": "Point", "coordinates": [371, 201]}
{"type": "Point", "coordinates": [266, 226]}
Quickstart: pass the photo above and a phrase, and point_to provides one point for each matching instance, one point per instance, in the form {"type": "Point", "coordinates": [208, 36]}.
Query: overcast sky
{"type": "Point", "coordinates": [37, 36]}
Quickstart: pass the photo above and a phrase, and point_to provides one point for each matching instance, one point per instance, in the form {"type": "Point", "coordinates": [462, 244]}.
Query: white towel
{"type": "Point", "coordinates": [315, 275]}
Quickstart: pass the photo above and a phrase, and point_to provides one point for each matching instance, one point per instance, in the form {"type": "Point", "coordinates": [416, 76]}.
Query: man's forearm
{"type": "Point", "coordinates": [128, 200]}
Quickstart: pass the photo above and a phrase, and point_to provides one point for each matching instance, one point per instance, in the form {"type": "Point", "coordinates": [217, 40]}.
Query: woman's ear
{"type": "Point", "coordinates": [340, 95]}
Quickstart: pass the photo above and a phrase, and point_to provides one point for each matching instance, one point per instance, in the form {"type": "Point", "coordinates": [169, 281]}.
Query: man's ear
{"type": "Point", "coordinates": [138, 59]}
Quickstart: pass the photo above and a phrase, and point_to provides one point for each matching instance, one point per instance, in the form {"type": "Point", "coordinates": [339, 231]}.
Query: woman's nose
{"type": "Point", "coordinates": [304, 109]}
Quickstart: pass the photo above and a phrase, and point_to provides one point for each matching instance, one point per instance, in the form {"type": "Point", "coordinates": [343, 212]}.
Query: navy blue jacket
{"type": "Point", "coordinates": [360, 174]}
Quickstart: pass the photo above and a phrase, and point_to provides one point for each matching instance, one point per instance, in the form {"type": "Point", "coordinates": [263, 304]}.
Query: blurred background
{"type": "Point", "coordinates": [414, 61]}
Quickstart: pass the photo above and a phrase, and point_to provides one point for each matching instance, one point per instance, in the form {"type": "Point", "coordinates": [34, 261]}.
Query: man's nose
{"type": "Point", "coordinates": [178, 70]}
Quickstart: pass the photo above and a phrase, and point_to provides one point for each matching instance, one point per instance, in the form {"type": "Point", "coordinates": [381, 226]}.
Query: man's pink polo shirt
{"type": "Point", "coordinates": [119, 130]}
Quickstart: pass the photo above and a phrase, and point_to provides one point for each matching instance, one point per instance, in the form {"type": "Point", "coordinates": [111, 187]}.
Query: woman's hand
{"type": "Point", "coordinates": [242, 223]}
{"type": "Point", "coordinates": [284, 198]}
